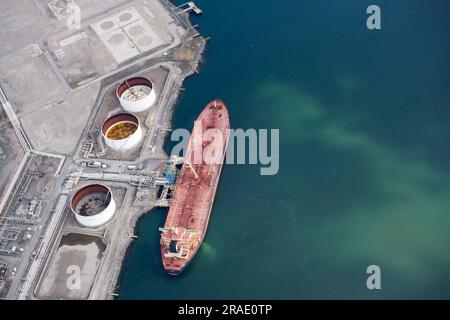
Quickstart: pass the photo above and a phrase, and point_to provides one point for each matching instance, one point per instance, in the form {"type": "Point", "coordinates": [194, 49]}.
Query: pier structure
{"type": "Point", "coordinates": [190, 5]}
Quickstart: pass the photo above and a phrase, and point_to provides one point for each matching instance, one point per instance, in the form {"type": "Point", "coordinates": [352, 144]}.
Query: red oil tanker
{"type": "Point", "coordinates": [195, 188]}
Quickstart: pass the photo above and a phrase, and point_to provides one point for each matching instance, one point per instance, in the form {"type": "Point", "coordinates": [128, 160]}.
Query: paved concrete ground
{"type": "Point", "coordinates": [57, 127]}
{"type": "Point", "coordinates": [2, 158]}
{"type": "Point", "coordinates": [28, 79]}
{"type": "Point", "coordinates": [12, 154]}
{"type": "Point", "coordinates": [23, 22]}
{"type": "Point", "coordinates": [38, 82]}
{"type": "Point", "coordinates": [28, 21]}
{"type": "Point", "coordinates": [111, 39]}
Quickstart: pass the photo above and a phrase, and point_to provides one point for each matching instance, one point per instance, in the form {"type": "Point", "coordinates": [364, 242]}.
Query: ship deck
{"type": "Point", "coordinates": [195, 188]}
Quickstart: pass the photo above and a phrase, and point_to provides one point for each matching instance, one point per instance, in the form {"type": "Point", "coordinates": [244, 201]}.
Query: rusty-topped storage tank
{"type": "Point", "coordinates": [122, 131]}
{"type": "Point", "coordinates": [136, 94]}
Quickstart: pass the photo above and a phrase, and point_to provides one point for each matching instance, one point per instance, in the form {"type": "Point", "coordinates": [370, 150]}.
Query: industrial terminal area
{"type": "Point", "coordinates": [85, 114]}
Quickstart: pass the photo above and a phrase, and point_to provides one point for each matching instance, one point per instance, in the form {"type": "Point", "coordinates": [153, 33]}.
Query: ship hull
{"type": "Point", "coordinates": [195, 189]}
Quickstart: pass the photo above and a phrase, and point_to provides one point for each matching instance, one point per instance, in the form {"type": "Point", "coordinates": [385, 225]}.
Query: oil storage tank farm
{"type": "Point", "coordinates": [136, 94]}
{"type": "Point", "coordinates": [93, 205]}
{"type": "Point", "coordinates": [122, 131]}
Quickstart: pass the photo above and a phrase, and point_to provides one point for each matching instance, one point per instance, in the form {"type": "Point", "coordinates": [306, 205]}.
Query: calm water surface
{"type": "Point", "coordinates": [364, 155]}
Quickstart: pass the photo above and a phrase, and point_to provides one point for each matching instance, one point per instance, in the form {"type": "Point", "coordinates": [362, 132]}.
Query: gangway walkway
{"type": "Point", "coordinates": [118, 177]}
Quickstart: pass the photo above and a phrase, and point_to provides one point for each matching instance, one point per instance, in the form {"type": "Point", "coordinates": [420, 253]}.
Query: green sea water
{"type": "Point", "coordinates": [364, 155]}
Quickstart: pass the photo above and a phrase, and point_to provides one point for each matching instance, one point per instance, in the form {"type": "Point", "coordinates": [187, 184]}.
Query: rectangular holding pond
{"type": "Point", "coordinates": [72, 270]}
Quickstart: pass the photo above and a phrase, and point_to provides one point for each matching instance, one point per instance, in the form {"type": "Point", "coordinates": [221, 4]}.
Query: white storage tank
{"type": "Point", "coordinates": [136, 94]}
{"type": "Point", "coordinates": [122, 131]}
{"type": "Point", "coordinates": [93, 205]}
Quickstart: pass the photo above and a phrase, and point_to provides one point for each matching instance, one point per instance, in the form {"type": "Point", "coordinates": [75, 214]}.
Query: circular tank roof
{"type": "Point", "coordinates": [91, 200]}
{"type": "Point", "coordinates": [134, 88]}
{"type": "Point", "coordinates": [137, 94]}
{"type": "Point", "coordinates": [120, 118]}
{"type": "Point", "coordinates": [122, 132]}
